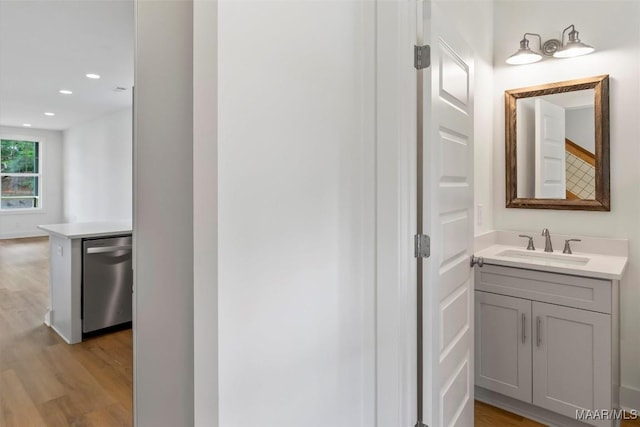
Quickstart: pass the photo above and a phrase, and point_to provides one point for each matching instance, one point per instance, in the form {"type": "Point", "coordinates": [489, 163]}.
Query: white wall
{"type": "Point", "coordinates": [25, 224]}
{"type": "Point", "coordinates": [296, 181]}
{"type": "Point", "coordinates": [97, 174]}
{"type": "Point", "coordinates": [611, 27]}
{"type": "Point", "coordinates": [163, 214]}
{"type": "Point", "coordinates": [581, 127]}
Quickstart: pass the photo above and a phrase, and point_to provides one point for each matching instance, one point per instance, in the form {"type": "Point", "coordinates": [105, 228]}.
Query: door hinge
{"type": "Point", "coordinates": [422, 246]}
{"type": "Point", "coordinates": [422, 57]}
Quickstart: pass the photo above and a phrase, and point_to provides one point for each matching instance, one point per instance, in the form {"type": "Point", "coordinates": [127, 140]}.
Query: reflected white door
{"type": "Point", "coordinates": [448, 219]}
{"type": "Point", "coordinates": [550, 151]}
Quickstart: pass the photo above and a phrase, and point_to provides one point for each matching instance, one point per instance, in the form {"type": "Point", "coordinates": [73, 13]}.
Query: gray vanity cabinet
{"type": "Point", "coordinates": [571, 359]}
{"type": "Point", "coordinates": [559, 357]}
{"type": "Point", "coordinates": [503, 345]}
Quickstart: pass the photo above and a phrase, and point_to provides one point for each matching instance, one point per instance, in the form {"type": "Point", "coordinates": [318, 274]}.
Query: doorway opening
{"type": "Point", "coordinates": [66, 77]}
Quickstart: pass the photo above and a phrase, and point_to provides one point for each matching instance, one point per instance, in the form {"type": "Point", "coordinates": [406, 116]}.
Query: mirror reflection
{"type": "Point", "coordinates": [556, 146]}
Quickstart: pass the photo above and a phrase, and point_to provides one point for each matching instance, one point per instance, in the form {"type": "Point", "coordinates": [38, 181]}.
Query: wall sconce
{"type": "Point", "coordinates": [551, 48]}
{"type": "Point", "coordinates": [525, 55]}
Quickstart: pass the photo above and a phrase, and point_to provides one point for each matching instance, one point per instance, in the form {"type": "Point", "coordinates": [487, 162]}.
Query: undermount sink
{"type": "Point", "coordinates": [596, 257]}
{"type": "Point", "coordinates": [546, 257]}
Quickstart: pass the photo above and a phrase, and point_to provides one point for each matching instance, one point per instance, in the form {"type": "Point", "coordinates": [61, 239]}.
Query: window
{"type": "Point", "coordinates": [20, 172]}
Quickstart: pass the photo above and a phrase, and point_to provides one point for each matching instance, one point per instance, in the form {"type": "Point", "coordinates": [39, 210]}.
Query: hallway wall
{"type": "Point", "coordinates": [295, 214]}
{"type": "Point", "coordinates": [163, 214]}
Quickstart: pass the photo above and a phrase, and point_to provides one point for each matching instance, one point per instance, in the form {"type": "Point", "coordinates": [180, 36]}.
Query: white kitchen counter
{"type": "Point", "coordinates": [65, 272]}
{"type": "Point", "coordinates": [79, 230]}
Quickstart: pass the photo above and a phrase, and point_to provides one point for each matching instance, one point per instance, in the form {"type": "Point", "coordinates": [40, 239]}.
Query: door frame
{"type": "Point", "coordinates": [396, 214]}
{"type": "Point", "coordinates": [397, 28]}
{"type": "Point", "coordinates": [395, 187]}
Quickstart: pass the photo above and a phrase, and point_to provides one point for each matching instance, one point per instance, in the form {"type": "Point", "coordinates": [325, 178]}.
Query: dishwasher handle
{"type": "Point", "coordinates": [106, 249]}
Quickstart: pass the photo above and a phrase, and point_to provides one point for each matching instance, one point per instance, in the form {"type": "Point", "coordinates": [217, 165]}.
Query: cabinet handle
{"type": "Point", "coordinates": [538, 323]}
{"type": "Point", "coordinates": [524, 328]}
{"type": "Point", "coordinates": [106, 249]}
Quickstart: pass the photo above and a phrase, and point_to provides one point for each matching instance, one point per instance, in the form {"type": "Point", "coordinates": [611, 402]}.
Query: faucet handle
{"type": "Point", "coordinates": [530, 246]}
{"type": "Point", "coordinates": [567, 245]}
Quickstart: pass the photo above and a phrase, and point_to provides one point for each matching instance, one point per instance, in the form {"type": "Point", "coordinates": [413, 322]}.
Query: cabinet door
{"type": "Point", "coordinates": [571, 359]}
{"type": "Point", "coordinates": [503, 345]}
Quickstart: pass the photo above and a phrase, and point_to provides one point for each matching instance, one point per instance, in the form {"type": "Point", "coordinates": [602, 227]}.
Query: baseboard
{"type": "Point", "coordinates": [22, 234]}
{"type": "Point", "coordinates": [630, 398]}
{"type": "Point", "coordinates": [60, 334]}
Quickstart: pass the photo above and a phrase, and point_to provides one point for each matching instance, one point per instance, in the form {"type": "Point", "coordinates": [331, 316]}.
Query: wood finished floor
{"type": "Point", "coordinates": [46, 382]}
{"type": "Point", "coordinates": [43, 380]}
{"type": "Point", "coordinates": [489, 416]}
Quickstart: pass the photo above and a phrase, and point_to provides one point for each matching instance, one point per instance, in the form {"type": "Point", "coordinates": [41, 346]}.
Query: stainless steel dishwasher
{"type": "Point", "coordinates": [107, 280]}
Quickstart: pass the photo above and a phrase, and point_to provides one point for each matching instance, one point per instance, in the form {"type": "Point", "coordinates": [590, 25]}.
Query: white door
{"type": "Point", "coordinates": [571, 359]}
{"type": "Point", "coordinates": [550, 151]}
{"type": "Point", "coordinates": [447, 215]}
{"type": "Point", "coordinates": [503, 344]}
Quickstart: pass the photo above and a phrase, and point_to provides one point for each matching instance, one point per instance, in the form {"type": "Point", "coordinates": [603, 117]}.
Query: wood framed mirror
{"type": "Point", "coordinates": [557, 145]}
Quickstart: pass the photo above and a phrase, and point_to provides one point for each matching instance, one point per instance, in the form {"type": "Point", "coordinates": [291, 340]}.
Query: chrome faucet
{"type": "Point", "coordinates": [547, 242]}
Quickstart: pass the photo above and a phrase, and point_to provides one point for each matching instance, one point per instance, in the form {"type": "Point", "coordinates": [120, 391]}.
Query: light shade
{"type": "Point", "coordinates": [573, 49]}
{"type": "Point", "coordinates": [524, 55]}
{"type": "Point", "coordinates": [574, 46]}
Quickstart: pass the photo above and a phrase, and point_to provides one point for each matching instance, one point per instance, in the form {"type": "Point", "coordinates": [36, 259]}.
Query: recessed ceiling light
{"type": "Point", "coordinates": [27, 125]}
{"type": "Point", "coordinates": [93, 76]}
{"type": "Point", "coordinates": [49, 114]}
{"type": "Point", "coordinates": [65, 92]}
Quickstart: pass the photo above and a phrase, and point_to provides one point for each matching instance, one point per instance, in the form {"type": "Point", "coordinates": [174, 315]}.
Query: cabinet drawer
{"type": "Point", "coordinates": [572, 291]}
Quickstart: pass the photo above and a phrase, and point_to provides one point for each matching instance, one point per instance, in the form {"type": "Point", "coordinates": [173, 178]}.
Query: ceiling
{"type": "Point", "coordinates": [48, 45]}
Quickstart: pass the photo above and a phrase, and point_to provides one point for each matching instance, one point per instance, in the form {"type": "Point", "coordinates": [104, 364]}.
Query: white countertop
{"type": "Point", "coordinates": [598, 265]}
{"type": "Point", "coordinates": [80, 230]}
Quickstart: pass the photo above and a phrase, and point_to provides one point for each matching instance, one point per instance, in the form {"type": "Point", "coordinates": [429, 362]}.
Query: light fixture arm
{"type": "Point", "coordinates": [524, 43]}
{"type": "Point", "coordinates": [573, 32]}
{"type": "Point", "coordinates": [525, 55]}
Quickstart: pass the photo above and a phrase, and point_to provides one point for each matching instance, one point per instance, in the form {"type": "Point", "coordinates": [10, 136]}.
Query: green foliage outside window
{"type": "Point", "coordinates": [19, 169]}
{"type": "Point", "coordinates": [19, 156]}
